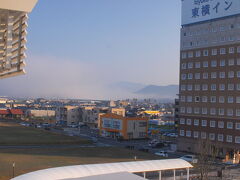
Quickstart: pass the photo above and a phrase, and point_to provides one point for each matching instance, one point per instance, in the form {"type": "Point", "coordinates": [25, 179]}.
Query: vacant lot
{"type": "Point", "coordinates": [14, 134]}
{"type": "Point", "coordinates": [28, 160]}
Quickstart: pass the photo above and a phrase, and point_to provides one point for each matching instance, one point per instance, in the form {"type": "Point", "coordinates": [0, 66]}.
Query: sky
{"type": "Point", "coordinates": [78, 48]}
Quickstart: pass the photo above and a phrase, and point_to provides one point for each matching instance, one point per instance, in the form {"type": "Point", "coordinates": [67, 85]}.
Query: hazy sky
{"type": "Point", "coordinates": [77, 48]}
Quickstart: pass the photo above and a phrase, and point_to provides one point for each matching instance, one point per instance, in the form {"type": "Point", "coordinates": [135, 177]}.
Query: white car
{"type": "Point", "coordinates": [190, 158]}
{"type": "Point", "coordinates": [162, 153]}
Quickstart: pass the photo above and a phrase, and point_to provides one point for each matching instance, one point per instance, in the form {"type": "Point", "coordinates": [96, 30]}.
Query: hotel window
{"type": "Point", "coordinates": [190, 75]}
{"type": "Point", "coordinates": [203, 135]}
{"type": "Point", "coordinates": [197, 98]}
{"type": "Point", "coordinates": [196, 122]}
{"type": "Point", "coordinates": [182, 110]}
{"type": "Point", "coordinates": [237, 126]}
{"type": "Point", "coordinates": [183, 76]}
{"type": "Point", "coordinates": [231, 50]}
{"type": "Point", "coordinates": [222, 63]}
{"type": "Point", "coordinates": [221, 111]}
{"type": "Point", "coordinates": [198, 53]}
{"type": "Point", "coordinates": [221, 87]}
{"type": "Point", "coordinates": [196, 110]}
{"type": "Point", "coordinates": [238, 49]}
{"type": "Point", "coordinates": [212, 136]}
{"type": "Point", "coordinates": [231, 74]}
{"type": "Point", "coordinates": [184, 55]}
{"type": "Point", "coordinates": [204, 123]}
{"type": "Point", "coordinates": [222, 75]}
{"type": "Point", "coordinates": [221, 99]}
{"type": "Point", "coordinates": [213, 87]}
{"type": "Point", "coordinates": [204, 110]}
{"type": "Point", "coordinates": [222, 51]}
{"type": "Point", "coordinates": [197, 75]}
{"type": "Point", "coordinates": [190, 65]}
{"type": "Point", "coordinates": [205, 64]}
{"type": "Point", "coordinates": [183, 87]}
{"type": "Point", "coordinates": [238, 74]}
{"type": "Point", "coordinates": [212, 124]}
{"type": "Point", "coordinates": [204, 87]}
{"type": "Point", "coordinates": [221, 124]}
{"type": "Point", "coordinates": [214, 52]}
{"type": "Point", "coordinates": [213, 111]}
{"type": "Point", "coordinates": [237, 139]}
{"type": "Point", "coordinates": [230, 112]}
{"type": "Point", "coordinates": [195, 134]}
{"type": "Point", "coordinates": [189, 122]}
{"type": "Point", "coordinates": [231, 62]}
{"type": "Point", "coordinates": [188, 133]}
{"type": "Point", "coordinates": [182, 121]}
{"type": "Point", "coordinates": [189, 99]}
{"type": "Point", "coordinates": [238, 99]}
{"type": "Point", "coordinates": [230, 99]}
{"type": "Point", "coordinates": [182, 132]}
{"type": "Point", "coordinates": [184, 66]}
{"type": "Point", "coordinates": [204, 99]}
{"type": "Point", "coordinates": [205, 52]}
{"type": "Point", "coordinates": [205, 75]}
{"type": "Point", "coordinates": [182, 98]}
{"type": "Point", "coordinates": [190, 54]}
{"type": "Point", "coordinates": [197, 87]}
{"type": "Point", "coordinates": [189, 87]}
{"type": "Point", "coordinates": [230, 87]}
{"type": "Point", "coordinates": [229, 138]}
{"type": "Point", "coordinates": [220, 137]}
{"type": "Point", "coordinates": [238, 87]}
{"type": "Point", "coordinates": [213, 99]}
{"type": "Point", "coordinates": [213, 63]}
{"type": "Point", "coordinates": [197, 65]}
{"type": "Point", "coordinates": [238, 61]}
{"type": "Point", "coordinates": [213, 75]}
{"type": "Point", "coordinates": [229, 125]}
{"type": "Point", "coordinates": [237, 112]}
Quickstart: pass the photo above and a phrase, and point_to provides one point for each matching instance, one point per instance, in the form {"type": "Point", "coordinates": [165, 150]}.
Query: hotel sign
{"type": "Point", "coordinates": [194, 11]}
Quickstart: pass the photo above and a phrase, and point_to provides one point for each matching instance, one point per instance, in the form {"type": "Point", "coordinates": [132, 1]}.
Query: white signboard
{"type": "Point", "coordinates": [194, 11]}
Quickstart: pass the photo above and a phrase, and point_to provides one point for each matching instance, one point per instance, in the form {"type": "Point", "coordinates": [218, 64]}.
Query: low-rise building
{"type": "Point", "coordinates": [68, 115]}
{"type": "Point", "coordinates": [40, 113]}
{"type": "Point", "coordinates": [116, 126]}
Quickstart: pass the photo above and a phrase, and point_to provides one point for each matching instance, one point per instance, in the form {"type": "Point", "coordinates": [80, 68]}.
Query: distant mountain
{"type": "Point", "coordinates": [127, 86]}
{"type": "Point", "coordinates": [159, 91]}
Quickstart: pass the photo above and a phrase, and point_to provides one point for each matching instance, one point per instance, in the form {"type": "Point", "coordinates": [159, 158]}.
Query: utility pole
{"type": "Point", "coordinates": [13, 169]}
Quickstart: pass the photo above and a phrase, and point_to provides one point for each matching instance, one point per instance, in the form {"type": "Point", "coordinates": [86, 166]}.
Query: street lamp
{"type": "Point", "coordinates": [13, 169]}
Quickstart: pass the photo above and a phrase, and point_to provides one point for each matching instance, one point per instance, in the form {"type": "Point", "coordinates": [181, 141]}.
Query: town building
{"type": "Point", "coordinates": [209, 107]}
{"type": "Point", "coordinates": [117, 127]}
{"type": "Point", "coordinates": [40, 113]}
{"type": "Point", "coordinates": [68, 115]}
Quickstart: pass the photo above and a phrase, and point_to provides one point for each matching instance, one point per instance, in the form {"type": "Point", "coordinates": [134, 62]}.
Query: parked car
{"type": "Point", "coordinates": [190, 158]}
{"type": "Point", "coordinates": [162, 153]}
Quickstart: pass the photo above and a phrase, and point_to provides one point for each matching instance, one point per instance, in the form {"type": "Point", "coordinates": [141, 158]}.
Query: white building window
{"type": "Point", "coordinates": [213, 75]}
{"type": "Point", "coordinates": [238, 87]}
{"type": "Point", "coordinates": [204, 123]}
{"type": "Point", "coordinates": [190, 75]}
{"type": "Point", "coordinates": [229, 138]}
{"type": "Point", "coordinates": [237, 139]}
{"type": "Point", "coordinates": [222, 87]}
{"type": "Point", "coordinates": [231, 74]}
{"type": "Point", "coordinates": [188, 133]}
{"type": "Point", "coordinates": [220, 137]}
{"type": "Point", "coordinates": [204, 99]}
{"type": "Point", "coordinates": [237, 126]}
{"type": "Point", "coordinates": [238, 61]}
{"type": "Point", "coordinates": [182, 121]}
{"type": "Point", "coordinates": [231, 62]}
{"type": "Point", "coordinates": [238, 74]}
{"type": "Point", "coordinates": [213, 111]}
{"type": "Point", "coordinates": [231, 50]}
{"type": "Point", "coordinates": [212, 124]}
{"type": "Point", "coordinates": [189, 122]}
{"type": "Point", "coordinates": [230, 99]}
{"type": "Point", "coordinates": [205, 64]}
{"type": "Point", "coordinates": [221, 99]}
{"type": "Point", "coordinates": [203, 135]}
{"type": "Point", "coordinates": [204, 110]}
{"type": "Point", "coordinates": [189, 87]}
{"type": "Point", "coordinates": [205, 75]}
{"type": "Point", "coordinates": [220, 124]}
{"type": "Point", "coordinates": [238, 49]}
{"type": "Point", "coordinates": [214, 52]}
{"type": "Point", "coordinates": [222, 63]}
{"type": "Point", "coordinates": [197, 75]}
{"type": "Point", "coordinates": [196, 122]}
{"type": "Point", "coordinates": [230, 112]}
{"type": "Point", "coordinates": [205, 52]}
{"type": "Point", "coordinates": [183, 76]}
{"type": "Point", "coordinates": [229, 125]}
{"type": "Point", "coordinates": [190, 65]}
{"type": "Point", "coordinates": [213, 87]}
{"type": "Point", "coordinates": [183, 87]}
{"type": "Point", "coordinates": [221, 112]}
{"type": "Point", "coordinates": [237, 112]}
{"type": "Point", "coordinates": [183, 98]}
{"type": "Point", "coordinates": [197, 87]}
{"type": "Point", "coordinates": [238, 99]}
{"type": "Point", "coordinates": [197, 65]}
{"type": "Point", "coordinates": [198, 53]}
{"type": "Point", "coordinates": [213, 99]}
{"type": "Point", "coordinates": [213, 63]}
{"type": "Point", "coordinates": [212, 136]}
{"type": "Point", "coordinates": [182, 110]}
{"type": "Point", "coordinates": [189, 110]}
{"type": "Point", "coordinates": [184, 55]}
{"type": "Point", "coordinates": [190, 54]}
{"type": "Point", "coordinates": [204, 87]}
{"type": "Point", "coordinates": [182, 132]}
{"type": "Point", "coordinates": [197, 98]}
{"type": "Point", "coordinates": [230, 87]}
{"type": "Point", "coordinates": [184, 66]}
{"type": "Point", "coordinates": [222, 75]}
{"type": "Point", "coordinates": [222, 51]}
{"type": "Point", "coordinates": [196, 134]}
{"type": "Point", "coordinates": [189, 98]}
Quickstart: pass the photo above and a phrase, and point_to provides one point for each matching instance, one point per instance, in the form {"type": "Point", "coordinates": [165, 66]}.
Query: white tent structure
{"type": "Point", "coordinates": [70, 172]}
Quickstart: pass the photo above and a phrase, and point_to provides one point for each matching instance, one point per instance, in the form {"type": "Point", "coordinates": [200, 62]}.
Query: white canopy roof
{"type": "Point", "coordinates": [69, 172]}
